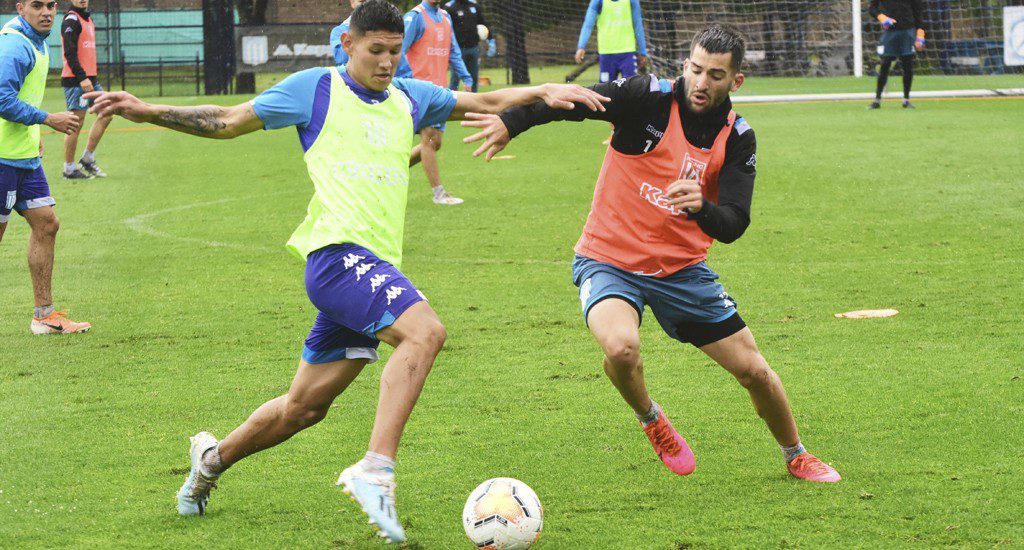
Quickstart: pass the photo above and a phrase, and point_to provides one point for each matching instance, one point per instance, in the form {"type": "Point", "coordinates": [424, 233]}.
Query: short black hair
{"type": "Point", "coordinates": [718, 38]}
{"type": "Point", "coordinates": [377, 15]}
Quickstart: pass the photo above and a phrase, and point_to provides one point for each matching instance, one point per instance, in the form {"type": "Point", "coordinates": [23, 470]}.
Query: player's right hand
{"type": "Point", "coordinates": [87, 85]}
{"type": "Point", "coordinates": [580, 54]}
{"type": "Point", "coordinates": [65, 123]}
{"type": "Point", "coordinates": [886, 21]}
{"type": "Point", "coordinates": [119, 103]}
{"type": "Point", "coordinates": [492, 130]}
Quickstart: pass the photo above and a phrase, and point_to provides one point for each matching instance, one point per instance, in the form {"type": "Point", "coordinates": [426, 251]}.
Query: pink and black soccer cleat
{"type": "Point", "coordinates": [670, 446]}
{"type": "Point", "coordinates": [809, 467]}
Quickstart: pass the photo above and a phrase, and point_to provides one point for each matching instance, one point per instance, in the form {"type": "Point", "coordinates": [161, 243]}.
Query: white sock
{"type": "Point", "coordinates": [789, 453]}
{"type": "Point", "coordinates": [89, 156]}
{"type": "Point", "coordinates": [69, 167]}
{"type": "Point", "coordinates": [211, 462]}
{"type": "Point", "coordinates": [376, 462]}
{"type": "Point", "coordinates": [438, 191]}
{"type": "Point", "coordinates": [651, 415]}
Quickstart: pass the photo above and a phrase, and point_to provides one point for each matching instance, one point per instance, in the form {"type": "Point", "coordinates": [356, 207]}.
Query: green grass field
{"type": "Point", "coordinates": [199, 315]}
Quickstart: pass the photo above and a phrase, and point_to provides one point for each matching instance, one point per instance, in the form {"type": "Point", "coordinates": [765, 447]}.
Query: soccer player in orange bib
{"type": "Point", "coordinates": [679, 174]}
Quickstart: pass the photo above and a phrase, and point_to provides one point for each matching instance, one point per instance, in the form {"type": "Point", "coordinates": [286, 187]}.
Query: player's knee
{"type": "Point", "coordinates": [757, 376]}
{"type": "Point", "coordinates": [300, 415]}
{"type": "Point", "coordinates": [47, 227]}
{"type": "Point", "coordinates": [622, 351]}
{"type": "Point", "coordinates": [428, 337]}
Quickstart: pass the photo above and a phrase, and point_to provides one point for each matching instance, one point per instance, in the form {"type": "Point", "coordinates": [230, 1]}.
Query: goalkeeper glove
{"type": "Point", "coordinates": [886, 21]}
{"type": "Point", "coordinates": [919, 41]}
{"type": "Point", "coordinates": [492, 48]}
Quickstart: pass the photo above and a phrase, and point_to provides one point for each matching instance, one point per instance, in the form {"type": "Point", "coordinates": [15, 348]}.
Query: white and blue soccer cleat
{"type": "Point", "coordinates": [195, 493]}
{"type": "Point", "coordinates": [374, 492]}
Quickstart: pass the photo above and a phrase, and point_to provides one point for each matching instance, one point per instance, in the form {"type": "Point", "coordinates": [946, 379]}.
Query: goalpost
{"type": "Point", "coordinates": [794, 38]}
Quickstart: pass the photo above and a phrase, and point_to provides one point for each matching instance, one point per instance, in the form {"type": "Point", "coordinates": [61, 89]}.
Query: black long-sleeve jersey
{"type": "Point", "coordinates": [466, 15]}
{"type": "Point", "coordinates": [907, 13]}
{"type": "Point", "coordinates": [70, 29]}
{"type": "Point", "coordinates": [640, 108]}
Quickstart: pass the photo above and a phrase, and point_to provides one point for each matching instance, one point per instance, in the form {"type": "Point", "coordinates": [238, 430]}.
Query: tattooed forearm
{"type": "Point", "coordinates": [206, 121]}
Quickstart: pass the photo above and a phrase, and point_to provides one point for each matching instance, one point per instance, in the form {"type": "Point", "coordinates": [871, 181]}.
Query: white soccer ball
{"type": "Point", "coordinates": [482, 32]}
{"type": "Point", "coordinates": [503, 514]}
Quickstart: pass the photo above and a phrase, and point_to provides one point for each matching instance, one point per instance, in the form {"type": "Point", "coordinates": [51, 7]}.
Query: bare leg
{"type": "Point", "coordinates": [739, 355]}
{"type": "Point", "coordinates": [414, 156]}
{"type": "Point", "coordinates": [96, 133]}
{"type": "Point", "coordinates": [41, 244]}
{"type": "Point", "coordinates": [308, 399]}
{"type": "Point", "coordinates": [431, 139]}
{"type": "Point", "coordinates": [3, 227]}
{"type": "Point", "coordinates": [71, 140]}
{"type": "Point", "coordinates": [615, 324]}
{"type": "Point", "coordinates": [418, 337]}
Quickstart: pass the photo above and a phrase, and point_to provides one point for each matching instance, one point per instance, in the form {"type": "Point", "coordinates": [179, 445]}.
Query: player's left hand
{"type": "Point", "coordinates": [565, 96]}
{"type": "Point", "coordinates": [492, 130]}
{"type": "Point", "coordinates": [919, 44]}
{"type": "Point", "coordinates": [685, 194]}
{"type": "Point", "coordinates": [119, 103]}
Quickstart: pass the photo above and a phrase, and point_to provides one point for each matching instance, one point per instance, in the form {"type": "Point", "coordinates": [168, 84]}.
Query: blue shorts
{"type": "Point", "coordinates": [22, 189]}
{"type": "Point", "coordinates": [73, 96]}
{"type": "Point", "coordinates": [356, 294]}
{"type": "Point", "coordinates": [897, 43]}
{"type": "Point", "coordinates": [614, 64]}
{"type": "Point", "coordinates": [684, 302]}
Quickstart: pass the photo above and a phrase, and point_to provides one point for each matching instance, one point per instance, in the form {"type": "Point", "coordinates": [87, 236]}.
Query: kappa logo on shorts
{"type": "Point", "coordinates": [394, 292]}
{"type": "Point", "coordinates": [585, 292]}
{"type": "Point", "coordinates": [352, 259]}
{"type": "Point", "coordinates": [12, 197]}
{"type": "Point", "coordinates": [727, 302]}
{"type": "Point", "coordinates": [361, 270]}
{"type": "Point", "coordinates": [378, 280]}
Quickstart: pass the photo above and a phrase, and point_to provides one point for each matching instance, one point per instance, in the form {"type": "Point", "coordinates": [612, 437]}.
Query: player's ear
{"type": "Point", "coordinates": [686, 64]}
{"type": "Point", "coordinates": [346, 42]}
{"type": "Point", "coordinates": [737, 81]}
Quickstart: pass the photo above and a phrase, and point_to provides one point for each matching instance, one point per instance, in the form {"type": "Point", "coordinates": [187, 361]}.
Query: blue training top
{"type": "Point", "coordinates": [17, 59]}
{"type": "Point", "coordinates": [301, 100]}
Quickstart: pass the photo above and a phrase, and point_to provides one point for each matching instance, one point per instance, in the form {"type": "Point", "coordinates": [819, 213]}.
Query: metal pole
{"type": "Point", "coordinates": [197, 74]}
{"type": "Point", "coordinates": [160, 75]}
{"type": "Point", "coordinates": [858, 41]}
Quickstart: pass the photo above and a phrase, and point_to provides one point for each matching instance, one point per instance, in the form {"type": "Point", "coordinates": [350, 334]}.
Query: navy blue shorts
{"type": "Point", "coordinates": [897, 43]}
{"type": "Point", "coordinates": [22, 189]}
{"type": "Point", "coordinates": [614, 64]}
{"type": "Point", "coordinates": [73, 96]}
{"type": "Point", "coordinates": [356, 294]}
{"type": "Point", "coordinates": [684, 303]}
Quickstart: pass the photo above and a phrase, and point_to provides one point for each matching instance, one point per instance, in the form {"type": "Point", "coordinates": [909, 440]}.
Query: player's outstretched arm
{"type": "Point", "coordinates": [557, 96]}
{"type": "Point", "coordinates": [209, 121]}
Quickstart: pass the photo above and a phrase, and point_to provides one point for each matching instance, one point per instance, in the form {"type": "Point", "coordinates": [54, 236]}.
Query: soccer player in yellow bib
{"type": "Point", "coordinates": [24, 62]}
{"type": "Point", "coordinates": [356, 125]}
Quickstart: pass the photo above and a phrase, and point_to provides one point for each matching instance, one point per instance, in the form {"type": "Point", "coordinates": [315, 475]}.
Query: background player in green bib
{"type": "Point", "coordinates": [24, 61]}
{"type": "Point", "coordinates": [621, 44]}
{"type": "Point", "coordinates": [356, 126]}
